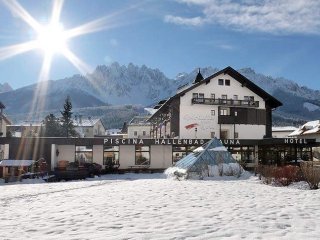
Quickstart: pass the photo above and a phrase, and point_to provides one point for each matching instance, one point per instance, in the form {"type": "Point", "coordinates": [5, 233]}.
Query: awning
{"type": "Point", "coordinates": [16, 163]}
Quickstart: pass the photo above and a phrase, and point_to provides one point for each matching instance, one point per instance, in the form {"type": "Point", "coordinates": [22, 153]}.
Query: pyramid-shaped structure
{"type": "Point", "coordinates": [211, 154]}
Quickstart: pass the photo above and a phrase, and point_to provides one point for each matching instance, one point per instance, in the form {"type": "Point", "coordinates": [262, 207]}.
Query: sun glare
{"type": "Point", "coordinates": [52, 39]}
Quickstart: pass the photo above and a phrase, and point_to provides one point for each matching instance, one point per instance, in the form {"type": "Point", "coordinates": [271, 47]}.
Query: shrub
{"type": "Point", "coordinates": [283, 176]}
{"type": "Point", "coordinates": [286, 175]}
{"type": "Point", "coordinates": [311, 173]}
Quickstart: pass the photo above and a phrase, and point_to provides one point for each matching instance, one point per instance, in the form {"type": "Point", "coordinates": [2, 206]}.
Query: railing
{"type": "Point", "coordinates": [228, 102]}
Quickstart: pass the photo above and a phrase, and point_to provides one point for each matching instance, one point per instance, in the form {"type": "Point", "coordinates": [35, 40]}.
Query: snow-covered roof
{"type": "Point", "coordinates": [139, 120]}
{"type": "Point", "coordinates": [27, 124]}
{"type": "Point", "coordinates": [308, 128]}
{"type": "Point", "coordinates": [86, 122]}
{"type": "Point", "coordinates": [284, 129]}
{"type": "Point", "coordinates": [16, 163]}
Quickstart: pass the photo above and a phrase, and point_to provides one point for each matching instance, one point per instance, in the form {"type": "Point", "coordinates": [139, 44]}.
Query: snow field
{"type": "Point", "coordinates": [148, 206]}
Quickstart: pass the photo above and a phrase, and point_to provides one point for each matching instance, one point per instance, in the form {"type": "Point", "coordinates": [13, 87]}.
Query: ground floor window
{"type": "Point", "coordinates": [243, 154]}
{"type": "Point", "coordinates": [280, 155]}
{"type": "Point", "coordinates": [179, 152]}
{"type": "Point", "coordinates": [84, 154]}
{"type": "Point", "coordinates": [142, 155]}
{"type": "Point", "coordinates": [111, 156]}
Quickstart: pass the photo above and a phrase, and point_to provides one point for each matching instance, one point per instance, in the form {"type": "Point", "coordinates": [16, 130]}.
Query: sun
{"type": "Point", "coordinates": [52, 39]}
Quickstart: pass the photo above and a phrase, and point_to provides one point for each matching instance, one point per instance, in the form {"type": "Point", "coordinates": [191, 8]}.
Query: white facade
{"type": "Point", "coordinates": [205, 117]}
{"type": "Point", "coordinates": [139, 131]}
{"type": "Point", "coordinates": [89, 127]}
{"type": "Point", "coordinates": [282, 132]}
{"type": "Point", "coordinates": [138, 127]}
{"type": "Point", "coordinates": [160, 155]}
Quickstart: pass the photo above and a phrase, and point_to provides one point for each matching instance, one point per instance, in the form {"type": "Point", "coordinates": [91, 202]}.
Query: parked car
{"type": "Point", "coordinates": [93, 168]}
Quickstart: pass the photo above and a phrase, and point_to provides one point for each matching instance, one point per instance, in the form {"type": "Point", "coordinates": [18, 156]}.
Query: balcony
{"type": "Point", "coordinates": [225, 102]}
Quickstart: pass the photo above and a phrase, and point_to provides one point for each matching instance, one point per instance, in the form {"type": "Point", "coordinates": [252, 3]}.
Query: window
{"type": "Point", "coordinates": [224, 111]}
{"type": "Point", "coordinates": [212, 134]}
{"type": "Point", "coordinates": [227, 82]}
{"type": "Point", "coordinates": [235, 97]}
{"type": "Point", "coordinates": [213, 96]}
{"type": "Point", "coordinates": [178, 153]}
{"type": "Point", "coordinates": [142, 155]}
{"type": "Point", "coordinates": [224, 97]}
{"type": "Point", "coordinates": [235, 113]}
{"type": "Point", "coordinates": [236, 135]}
{"type": "Point", "coordinates": [224, 134]}
{"type": "Point", "coordinates": [201, 95]}
{"type": "Point", "coordinates": [213, 112]}
{"type": "Point", "coordinates": [83, 154]}
{"type": "Point", "coordinates": [144, 133]}
{"type": "Point", "coordinates": [135, 133]}
{"type": "Point", "coordinates": [220, 81]}
{"type": "Point", "coordinates": [111, 155]}
{"type": "Point", "coordinates": [249, 99]}
{"type": "Point", "coordinates": [194, 95]}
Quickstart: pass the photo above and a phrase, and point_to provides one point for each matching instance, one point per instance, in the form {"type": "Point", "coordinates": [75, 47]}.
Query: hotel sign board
{"type": "Point", "coordinates": [199, 142]}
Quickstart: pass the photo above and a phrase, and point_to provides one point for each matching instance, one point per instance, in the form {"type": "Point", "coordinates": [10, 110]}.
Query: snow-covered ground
{"type": "Point", "coordinates": [148, 206]}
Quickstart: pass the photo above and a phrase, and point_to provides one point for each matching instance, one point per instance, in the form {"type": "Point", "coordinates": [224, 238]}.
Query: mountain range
{"type": "Point", "coordinates": [115, 87]}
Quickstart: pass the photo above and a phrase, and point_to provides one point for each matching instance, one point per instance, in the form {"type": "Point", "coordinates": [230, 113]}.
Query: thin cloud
{"type": "Point", "coordinates": [196, 21]}
{"type": "Point", "coordinates": [271, 16]}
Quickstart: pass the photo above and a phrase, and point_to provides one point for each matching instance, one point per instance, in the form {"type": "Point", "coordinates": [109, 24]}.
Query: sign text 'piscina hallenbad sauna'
{"type": "Point", "coordinates": [156, 141]}
{"type": "Point", "coordinates": [199, 142]}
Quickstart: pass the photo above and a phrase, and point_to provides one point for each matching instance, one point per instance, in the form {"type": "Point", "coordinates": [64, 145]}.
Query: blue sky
{"type": "Point", "coordinates": [279, 38]}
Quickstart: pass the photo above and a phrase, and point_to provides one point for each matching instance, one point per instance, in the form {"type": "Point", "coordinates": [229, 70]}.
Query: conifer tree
{"type": "Point", "coordinates": [66, 120]}
{"type": "Point", "coordinates": [52, 126]}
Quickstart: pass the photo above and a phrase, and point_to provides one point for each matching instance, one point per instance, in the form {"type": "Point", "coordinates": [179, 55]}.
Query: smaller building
{"type": "Point", "coordinates": [89, 127]}
{"type": "Point", "coordinates": [308, 130]}
{"type": "Point", "coordinates": [138, 127]}
{"type": "Point", "coordinates": [4, 121]}
{"type": "Point", "coordinates": [26, 129]}
{"type": "Point", "coordinates": [283, 132]}
{"type": "Point", "coordinates": [113, 131]}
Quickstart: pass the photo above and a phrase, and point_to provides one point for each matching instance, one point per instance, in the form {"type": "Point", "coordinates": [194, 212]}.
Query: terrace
{"type": "Point", "coordinates": [226, 102]}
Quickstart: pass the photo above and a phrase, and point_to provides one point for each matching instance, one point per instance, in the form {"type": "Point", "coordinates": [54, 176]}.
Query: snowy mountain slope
{"type": "Point", "coordinates": [5, 87]}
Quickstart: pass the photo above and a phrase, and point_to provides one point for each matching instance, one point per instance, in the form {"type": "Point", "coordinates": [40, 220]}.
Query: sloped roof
{"type": "Point", "coordinates": [139, 120]}
{"type": "Point", "coordinates": [307, 128]}
{"type": "Point", "coordinates": [210, 154]}
{"type": "Point", "coordinates": [5, 118]}
{"type": "Point", "coordinates": [284, 129]}
{"type": "Point", "coordinates": [86, 122]}
{"type": "Point", "coordinates": [270, 100]}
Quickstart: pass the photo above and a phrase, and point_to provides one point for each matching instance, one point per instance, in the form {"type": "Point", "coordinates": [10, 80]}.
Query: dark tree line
{"type": "Point", "coordinates": [63, 126]}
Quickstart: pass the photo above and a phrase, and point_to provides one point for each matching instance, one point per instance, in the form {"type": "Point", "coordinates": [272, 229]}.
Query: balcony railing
{"type": "Point", "coordinates": [226, 102]}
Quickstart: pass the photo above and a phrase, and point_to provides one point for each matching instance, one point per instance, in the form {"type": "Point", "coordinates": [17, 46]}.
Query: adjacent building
{"type": "Point", "coordinates": [4, 121]}
{"type": "Point", "coordinates": [89, 127]}
{"type": "Point", "coordinates": [139, 127]}
{"type": "Point", "coordinates": [283, 132]}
